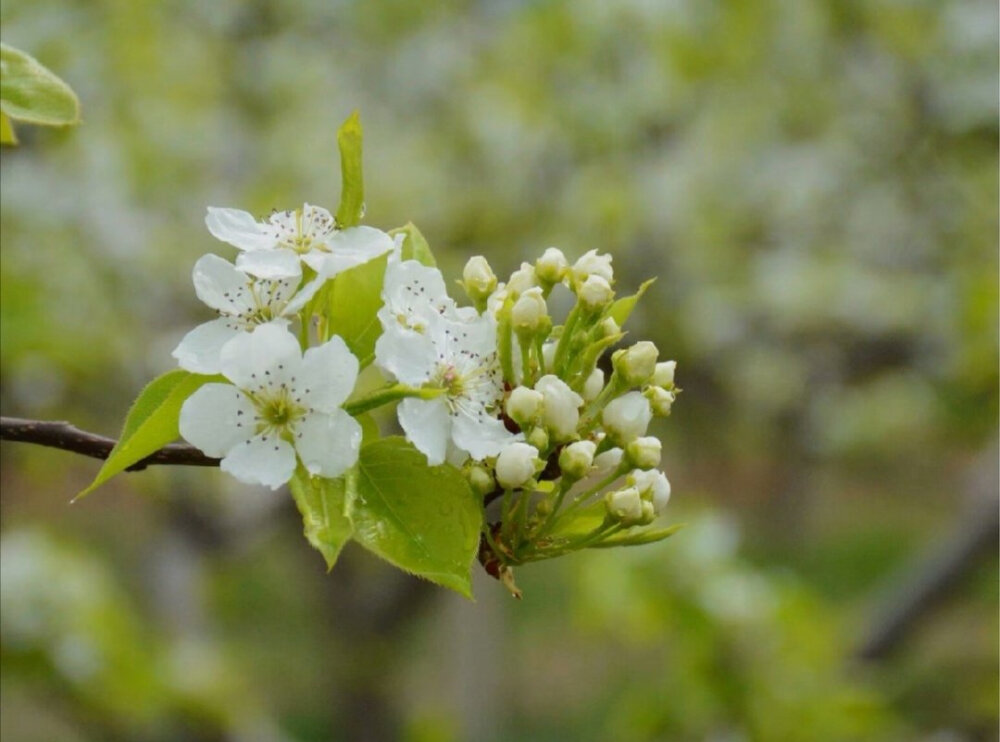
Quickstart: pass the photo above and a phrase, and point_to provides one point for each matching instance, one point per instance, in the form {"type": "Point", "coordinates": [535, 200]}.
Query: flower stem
{"type": "Point", "coordinates": [564, 340]}
{"type": "Point", "coordinates": [505, 342]}
{"type": "Point", "coordinates": [388, 394]}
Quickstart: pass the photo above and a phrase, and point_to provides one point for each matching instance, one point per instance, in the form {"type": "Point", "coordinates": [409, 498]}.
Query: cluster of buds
{"type": "Point", "coordinates": [582, 453]}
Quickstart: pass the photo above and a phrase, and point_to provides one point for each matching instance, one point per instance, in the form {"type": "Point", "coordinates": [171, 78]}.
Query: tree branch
{"type": "Point", "coordinates": [69, 438]}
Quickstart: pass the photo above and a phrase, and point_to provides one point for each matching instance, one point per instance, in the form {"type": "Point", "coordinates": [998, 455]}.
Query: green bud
{"type": "Point", "coordinates": [479, 280]}
{"type": "Point", "coordinates": [539, 438]}
{"type": "Point", "coordinates": [660, 400]}
{"type": "Point", "coordinates": [644, 452]}
{"type": "Point", "coordinates": [480, 480]}
{"type": "Point", "coordinates": [635, 365]}
{"type": "Point", "coordinates": [576, 459]}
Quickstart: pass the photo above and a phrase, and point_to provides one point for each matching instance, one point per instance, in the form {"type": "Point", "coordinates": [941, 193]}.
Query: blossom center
{"type": "Point", "coordinates": [278, 411]}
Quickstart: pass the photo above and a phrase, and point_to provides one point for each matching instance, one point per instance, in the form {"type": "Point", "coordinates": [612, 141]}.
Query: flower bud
{"type": "Point", "coordinates": [607, 327]}
{"type": "Point", "coordinates": [648, 513]}
{"type": "Point", "coordinates": [480, 480]}
{"type": "Point", "coordinates": [625, 505]}
{"type": "Point", "coordinates": [660, 400]}
{"type": "Point", "coordinates": [627, 417]}
{"type": "Point", "coordinates": [516, 465]}
{"type": "Point", "coordinates": [522, 279]}
{"type": "Point", "coordinates": [636, 364]}
{"type": "Point", "coordinates": [644, 452]}
{"type": "Point", "coordinates": [529, 311]}
{"type": "Point", "coordinates": [652, 485]}
{"type": "Point", "coordinates": [607, 462]}
{"type": "Point", "coordinates": [664, 374]}
{"type": "Point", "coordinates": [593, 385]}
{"type": "Point", "coordinates": [552, 266]}
{"type": "Point", "coordinates": [539, 438]}
{"type": "Point", "coordinates": [576, 459]}
{"type": "Point", "coordinates": [549, 354]}
{"type": "Point", "coordinates": [595, 293]}
{"type": "Point", "coordinates": [592, 264]}
{"type": "Point", "coordinates": [561, 409]}
{"type": "Point", "coordinates": [524, 405]}
{"type": "Point", "coordinates": [478, 279]}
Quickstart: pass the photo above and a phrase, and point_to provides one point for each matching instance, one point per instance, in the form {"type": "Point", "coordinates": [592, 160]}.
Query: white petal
{"type": "Point", "coordinates": [238, 228]}
{"type": "Point", "coordinates": [407, 355]}
{"type": "Point", "coordinates": [267, 356]}
{"type": "Point", "coordinates": [270, 264]}
{"type": "Point", "coordinates": [264, 459]}
{"type": "Point", "coordinates": [328, 372]}
{"type": "Point", "coordinates": [216, 418]}
{"type": "Point", "coordinates": [305, 294]}
{"type": "Point", "coordinates": [427, 425]}
{"type": "Point", "coordinates": [317, 222]}
{"type": "Point", "coordinates": [480, 437]}
{"type": "Point", "coordinates": [328, 444]}
{"type": "Point", "coordinates": [360, 243]}
{"type": "Point", "coordinates": [221, 285]}
{"type": "Point", "coordinates": [198, 352]}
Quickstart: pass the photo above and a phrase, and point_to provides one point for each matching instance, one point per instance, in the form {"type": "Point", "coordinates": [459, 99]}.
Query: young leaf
{"type": "Point", "coordinates": [151, 422]}
{"type": "Point", "coordinates": [352, 188]}
{"type": "Point", "coordinates": [353, 298]}
{"type": "Point", "coordinates": [30, 92]}
{"type": "Point", "coordinates": [7, 135]}
{"type": "Point", "coordinates": [622, 308]}
{"type": "Point", "coordinates": [638, 539]}
{"type": "Point", "coordinates": [423, 519]}
{"type": "Point", "coordinates": [323, 504]}
{"type": "Point", "coordinates": [415, 247]}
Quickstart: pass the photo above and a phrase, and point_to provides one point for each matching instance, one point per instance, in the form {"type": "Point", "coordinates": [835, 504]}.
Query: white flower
{"type": "Point", "coordinates": [664, 374]}
{"type": "Point", "coordinates": [280, 404]}
{"type": "Point", "coordinates": [627, 417]}
{"type": "Point", "coordinates": [413, 293]}
{"type": "Point", "coordinates": [652, 484]}
{"type": "Point", "coordinates": [274, 248]}
{"type": "Point", "coordinates": [516, 465]}
{"type": "Point", "coordinates": [242, 301]}
{"type": "Point", "coordinates": [592, 264]}
{"type": "Point", "coordinates": [595, 293]}
{"type": "Point", "coordinates": [461, 359]}
{"type": "Point", "coordinates": [552, 266]}
{"type": "Point", "coordinates": [561, 409]}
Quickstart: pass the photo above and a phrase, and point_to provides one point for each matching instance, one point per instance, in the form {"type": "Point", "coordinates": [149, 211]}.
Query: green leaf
{"type": "Point", "coordinates": [324, 505]}
{"type": "Point", "coordinates": [415, 247]}
{"type": "Point", "coordinates": [7, 135]}
{"type": "Point", "coordinates": [352, 189]}
{"type": "Point", "coordinates": [151, 422]}
{"type": "Point", "coordinates": [622, 308]}
{"type": "Point", "coordinates": [639, 539]}
{"type": "Point", "coordinates": [352, 299]}
{"type": "Point", "coordinates": [30, 92]}
{"type": "Point", "coordinates": [580, 521]}
{"type": "Point", "coordinates": [369, 428]}
{"type": "Point", "coordinates": [423, 519]}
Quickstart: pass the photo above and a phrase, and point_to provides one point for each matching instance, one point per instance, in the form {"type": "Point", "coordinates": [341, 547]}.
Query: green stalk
{"type": "Point", "coordinates": [505, 343]}
{"type": "Point", "coordinates": [564, 340]}
{"type": "Point", "coordinates": [388, 394]}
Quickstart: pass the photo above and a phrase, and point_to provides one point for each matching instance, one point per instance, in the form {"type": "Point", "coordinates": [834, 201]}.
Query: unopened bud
{"type": "Point", "coordinates": [561, 409]}
{"type": "Point", "coordinates": [627, 417]}
{"type": "Point", "coordinates": [644, 452]}
{"type": "Point", "coordinates": [593, 385]}
{"type": "Point", "coordinates": [607, 462]}
{"type": "Point", "coordinates": [516, 465]}
{"type": "Point", "coordinates": [549, 354]}
{"type": "Point", "coordinates": [524, 405]}
{"type": "Point", "coordinates": [636, 364]}
{"type": "Point", "coordinates": [592, 264]}
{"type": "Point", "coordinates": [480, 480]}
{"type": "Point", "coordinates": [652, 485]}
{"type": "Point", "coordinates": [607, 327]}
{"type": "Point", "coordinates": [625, 505]}
{"type": "Point", "coordinates": [478, 279]}
{"type": "Point", "coordinates": [576, 459]}
{"type": "Point", "coordinates": [552, 266]}
{"type": "Point", "coordinates": [539, 438]}
{"type": "Point", "coordinates": [648, 513]}
{"type": "Point", "coordinates": [595, 293]}
{"type": "Point", "coordinates": [530, 311]}
{"type": "Point", "coordinates": [522, 279]}
{"type": "Point", "coordinates": [664, 374]}
{"type": "Point", "coordinates": [660, 400]}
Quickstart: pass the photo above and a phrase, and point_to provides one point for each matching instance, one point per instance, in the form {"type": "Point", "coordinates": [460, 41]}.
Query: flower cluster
{"type": "Point", "coordinates": [521, 404]}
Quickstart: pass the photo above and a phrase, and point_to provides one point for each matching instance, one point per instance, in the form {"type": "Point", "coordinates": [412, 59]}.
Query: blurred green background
{"type": "Point", "coordinates": [813, 181]}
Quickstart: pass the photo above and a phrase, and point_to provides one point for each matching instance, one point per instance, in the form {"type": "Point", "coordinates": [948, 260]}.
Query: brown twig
{"type": "Point", "coordinates": [69, 438]}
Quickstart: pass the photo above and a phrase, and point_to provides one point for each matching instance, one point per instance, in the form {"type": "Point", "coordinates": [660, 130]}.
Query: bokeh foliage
{"type": "Point", "coordinates": [814, 182]}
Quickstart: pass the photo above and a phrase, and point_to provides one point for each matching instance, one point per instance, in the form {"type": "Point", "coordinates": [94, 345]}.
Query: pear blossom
{"type": "Point", "coordinates": [275, 247]}
{"type": "Point", "coordinates": [652, 484]}
{"type": "Point", "coordinates": [592, 264]}
{"type": "Point", "coordinates": [459, 358]}
{"type": "Point", "coordinates": [627, 417]}
{"type": "Point", "coordinates": [281, 405]}
{"type": "Point", "coordinates": [242, 301]}
{"type": "Point", "coordinates": [516, 465]}
{"type": "Point", "coordinates": [561, 408]}
{"type": "Point", "coordinates": [412, 293]}
{"type": "Point", "coordinates": [576, 459]}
